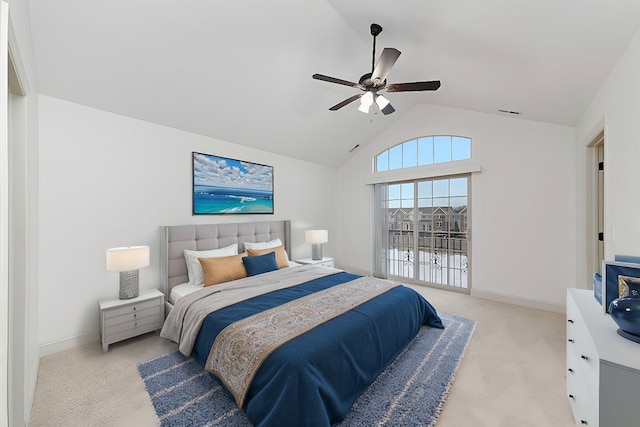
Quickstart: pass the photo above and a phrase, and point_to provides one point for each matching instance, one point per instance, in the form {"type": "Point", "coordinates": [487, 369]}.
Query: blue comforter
{"type": "Point", "coordinates": [314, 379]}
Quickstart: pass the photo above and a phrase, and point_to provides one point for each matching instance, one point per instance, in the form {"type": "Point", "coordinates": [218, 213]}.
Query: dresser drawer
{"type": "Point", "coordinates": [583, 406]}
{"type": "Point", "coordinates": [582, 355]}
{"type": "Point", "coordinates": [581, 350]}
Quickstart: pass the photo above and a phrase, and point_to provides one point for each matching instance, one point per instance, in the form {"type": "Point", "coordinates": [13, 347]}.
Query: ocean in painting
{"type": "Point", "coordinates": [226, 200]}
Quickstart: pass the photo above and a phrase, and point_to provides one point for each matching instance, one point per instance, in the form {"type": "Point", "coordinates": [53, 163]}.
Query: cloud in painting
{"type": "Point", "coordinates": [224, 172]}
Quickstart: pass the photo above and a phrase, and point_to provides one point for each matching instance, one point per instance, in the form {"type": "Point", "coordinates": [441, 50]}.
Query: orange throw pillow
{"type": "Point", "coordinates": [224, 269]}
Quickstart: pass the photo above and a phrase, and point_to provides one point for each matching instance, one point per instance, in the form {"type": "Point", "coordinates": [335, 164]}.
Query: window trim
{"type": "Point", "coordinates": [457, 167]}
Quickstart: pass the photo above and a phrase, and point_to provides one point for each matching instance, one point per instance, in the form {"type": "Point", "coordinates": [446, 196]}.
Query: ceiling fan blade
{"type": "Point", "coordinates": [334, 80]}
{"type": "Point", "coordinates": [385, 63]}
{"type": "Point", "coordinates": [413, 87]}
{"type": "Point", "coordinates": [345, 102]}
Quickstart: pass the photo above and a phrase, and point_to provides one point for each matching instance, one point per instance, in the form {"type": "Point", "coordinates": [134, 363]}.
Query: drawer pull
{"type": "Point", "coordinates": [135, 323]}
{"type": "Point", "coordinates": [134, 308]}
{"type": "Point", "coordinates": [570, 370]}
{"type": "Point", "coordinates": [569, 320]}
{"type": "Point", "coordinates": [583, 422]}
{"type": "Point", "coordinates": [583, 357]}
{"type": "Point", "coordinates": [134, 316]}
{"type": "Point", "coordinates": [571, 396]}
{"type": "Point", "coordinates": [570, 340]}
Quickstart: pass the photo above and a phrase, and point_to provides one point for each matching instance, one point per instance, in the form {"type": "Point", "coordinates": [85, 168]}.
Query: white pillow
{"type": "Point", "coordinates": [196, 276]}
{"type": "Point", "coordinates": [265, 245]}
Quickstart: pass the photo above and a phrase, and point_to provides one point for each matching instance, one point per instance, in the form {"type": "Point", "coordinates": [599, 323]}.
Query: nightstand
{"type": "Point", "coordinates": [121, 319]}
{"type": "Point", "coordinates": [325, 262]}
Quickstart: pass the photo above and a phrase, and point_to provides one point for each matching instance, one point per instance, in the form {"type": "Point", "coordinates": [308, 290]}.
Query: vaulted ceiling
{"type": "Point", "coordinates": [241, 70]}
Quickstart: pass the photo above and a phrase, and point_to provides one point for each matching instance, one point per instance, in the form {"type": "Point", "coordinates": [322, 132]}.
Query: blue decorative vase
{"type": "Point", "coordinates": [626, 313]}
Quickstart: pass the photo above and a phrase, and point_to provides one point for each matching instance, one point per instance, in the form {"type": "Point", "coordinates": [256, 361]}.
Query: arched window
{"type": "Point", "coordinates": [422, 215]}
{"type": "Point", "coordinates": [422, 151]}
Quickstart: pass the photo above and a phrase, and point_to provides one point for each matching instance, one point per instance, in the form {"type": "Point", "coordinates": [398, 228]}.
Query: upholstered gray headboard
{"type": "Point", "coordinates": [197, 237]}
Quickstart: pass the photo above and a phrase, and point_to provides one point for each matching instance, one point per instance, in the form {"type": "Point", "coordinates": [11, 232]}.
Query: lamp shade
{"type": "Point", "coordinates": [365, 102]}
{"type": "Point", "coordinates": [381, 101]}
{"type": "Point", "coordinates": [127, 258]}
{"type": "Point", "coordinates": [316, 236]}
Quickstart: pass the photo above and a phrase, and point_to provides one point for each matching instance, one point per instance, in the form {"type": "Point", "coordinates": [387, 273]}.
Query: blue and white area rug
{"type": "Point", "coordinates": [410, 392]}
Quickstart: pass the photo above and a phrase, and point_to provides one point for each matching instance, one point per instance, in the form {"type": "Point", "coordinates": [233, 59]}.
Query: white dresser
{"type": "Point", "coordinates": [121, 319]}
{"type": "Point", "coordinates": [603, 369]}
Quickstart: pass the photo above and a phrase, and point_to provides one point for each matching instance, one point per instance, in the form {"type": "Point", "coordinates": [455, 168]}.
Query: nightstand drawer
{"type": "Point", "coordinates": [326, 263]}
{"type": "Point", "coordinates": [119, 322]}
{"type": "Point", "coordinates": [123, 319]}
{"type": "Point", "coordinates": [132, 328]}
{"type": "Point", "coordinates": [131, 309]}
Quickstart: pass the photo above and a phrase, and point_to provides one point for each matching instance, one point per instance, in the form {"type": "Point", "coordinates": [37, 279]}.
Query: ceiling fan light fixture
{"type": "Point", "coordinates": [365, 102]}
{"type": "Point", "coordinates": [381, 101]}
{"type": "Point", "coordinates": [364, 108]}
{"type": "Point", "coordinates": [367, 98]}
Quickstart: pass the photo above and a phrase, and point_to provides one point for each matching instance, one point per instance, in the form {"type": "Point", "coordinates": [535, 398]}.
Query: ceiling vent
{"type": "Point", "coordinates": [510, 112]}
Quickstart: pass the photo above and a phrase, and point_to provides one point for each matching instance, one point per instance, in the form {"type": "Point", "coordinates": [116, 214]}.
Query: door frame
{"type": "Point", "coordinates": [4, 212]}
{"type": "Point", "coordinates": [18, 233]}
{"type": "Point", "coordinates": [596, 212]}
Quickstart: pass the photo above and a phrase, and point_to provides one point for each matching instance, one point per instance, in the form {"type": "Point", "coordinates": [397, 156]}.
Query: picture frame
{"type": "Point", "coordinates": [618, 278]}
{"type": "Point", "coordinates": [226, 186]}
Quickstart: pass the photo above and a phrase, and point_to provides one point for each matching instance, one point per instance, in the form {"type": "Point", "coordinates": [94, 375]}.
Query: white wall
{"type": "Point", "coordinates": [108, 180]}
{"type": "Point", "coordinates": [523, 204]}
{"type": "Point", "coordinates": [616, 108]}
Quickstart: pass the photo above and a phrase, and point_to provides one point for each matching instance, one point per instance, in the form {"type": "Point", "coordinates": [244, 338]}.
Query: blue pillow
{"type": "Point", "coordinates": [260, 263]}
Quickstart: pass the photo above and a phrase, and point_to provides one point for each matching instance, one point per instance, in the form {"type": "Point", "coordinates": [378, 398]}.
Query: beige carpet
{"type": "Point", "coordinates": [513, 374]}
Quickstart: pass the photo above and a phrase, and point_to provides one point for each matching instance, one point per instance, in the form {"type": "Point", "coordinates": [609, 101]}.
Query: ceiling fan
{"type": "Point", "coordinates": [371, 83]}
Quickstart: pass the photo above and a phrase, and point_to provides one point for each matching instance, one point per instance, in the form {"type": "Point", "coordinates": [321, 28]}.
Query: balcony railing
{"type": "Point", "coordinates": [441, 257]}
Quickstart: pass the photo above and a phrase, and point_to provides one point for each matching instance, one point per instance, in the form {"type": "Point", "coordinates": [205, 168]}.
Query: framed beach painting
{"type": "Point", "coordinates": [227, 186]}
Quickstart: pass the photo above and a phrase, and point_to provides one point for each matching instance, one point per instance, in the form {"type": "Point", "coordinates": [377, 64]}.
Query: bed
{"type": "Point", "coordinates": [292, 346]}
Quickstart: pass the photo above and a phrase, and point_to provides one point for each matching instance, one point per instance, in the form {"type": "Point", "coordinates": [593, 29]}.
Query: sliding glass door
{"type": "Point", "coordinates": [427, 231]}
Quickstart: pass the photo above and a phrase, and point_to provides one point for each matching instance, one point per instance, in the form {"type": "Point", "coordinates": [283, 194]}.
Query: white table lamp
{"type": "Point", "coordinates": [316, 238]}
{"type": "Point", "coordinates": [127, 261]}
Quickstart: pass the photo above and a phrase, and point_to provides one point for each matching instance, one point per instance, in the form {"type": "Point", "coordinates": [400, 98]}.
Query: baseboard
{"type": "Point", "coordinates": [494, 296]}
{"type": "Point", "coordinates": [67, 343]}
{"type": "Point", "coordinates": [525, 302]}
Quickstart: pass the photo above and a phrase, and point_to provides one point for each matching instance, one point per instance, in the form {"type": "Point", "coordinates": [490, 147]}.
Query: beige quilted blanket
{"type": "Point", "coordinates": [186, 317]}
